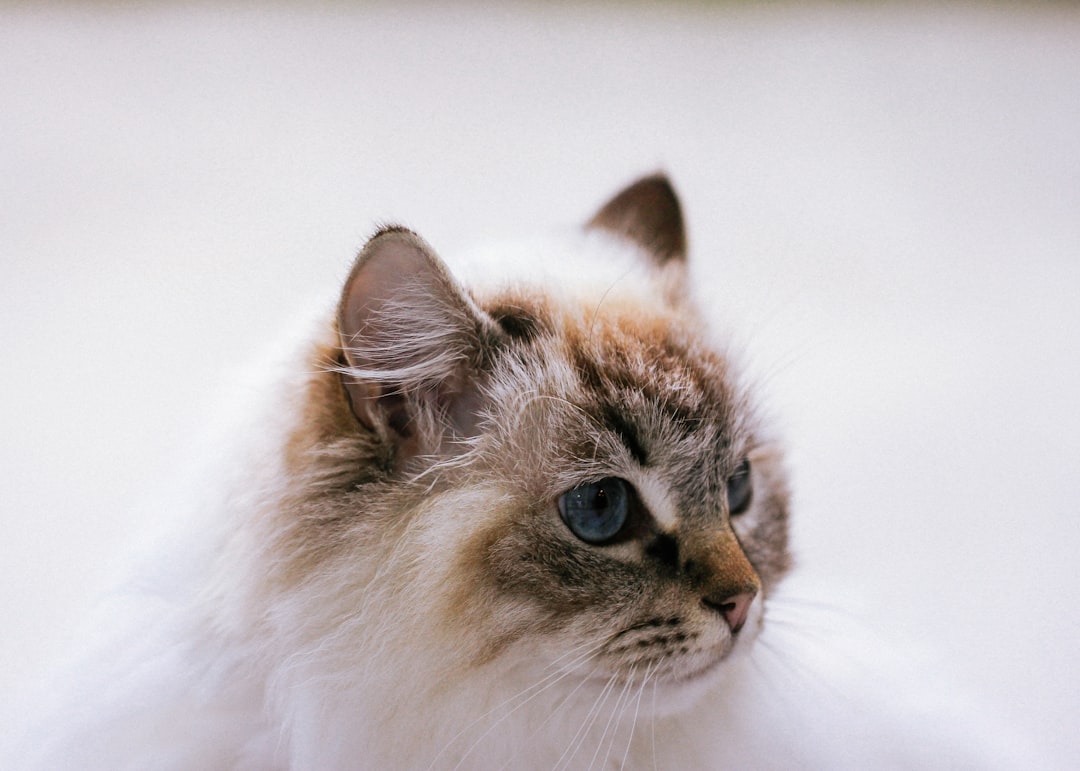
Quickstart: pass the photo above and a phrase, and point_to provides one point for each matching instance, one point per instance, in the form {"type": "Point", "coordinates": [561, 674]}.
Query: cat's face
{"type": "Point", "coordinates": [522, 474]}
{"type": "Point", "coordinates": [639, 516]}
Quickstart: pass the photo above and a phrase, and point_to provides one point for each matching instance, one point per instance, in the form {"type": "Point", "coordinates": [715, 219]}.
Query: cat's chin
{"type": "Point", "coordinates": [688, 682]}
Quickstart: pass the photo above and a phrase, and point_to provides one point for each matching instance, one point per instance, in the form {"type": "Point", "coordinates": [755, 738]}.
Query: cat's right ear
{"type": "Point", "coordinates": [412, 341]}
{"type": "Point", "coordinates": [648, 214]}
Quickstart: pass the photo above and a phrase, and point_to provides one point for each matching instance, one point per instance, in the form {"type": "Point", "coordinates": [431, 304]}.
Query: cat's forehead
{"type": "Point", "coordinates": [640, 373]}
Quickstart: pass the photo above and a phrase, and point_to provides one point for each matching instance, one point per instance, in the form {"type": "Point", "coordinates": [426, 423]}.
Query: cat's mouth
{"type": "Point", "coordinates": [673, 651]}
{"type": "Point", "coordinates": [671, 655]}
{"type": "Point", "coordinates": [677, 676]}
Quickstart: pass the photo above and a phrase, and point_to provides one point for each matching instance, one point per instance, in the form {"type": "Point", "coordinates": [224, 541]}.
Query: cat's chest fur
{"type": "Point", "coordinates": [525, 522]}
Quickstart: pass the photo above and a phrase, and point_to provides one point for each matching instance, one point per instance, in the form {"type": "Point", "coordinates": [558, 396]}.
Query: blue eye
{"type": "Point", "coordinates": [595, 512]}
{"type": "Point", "coordinates": [740, 489]}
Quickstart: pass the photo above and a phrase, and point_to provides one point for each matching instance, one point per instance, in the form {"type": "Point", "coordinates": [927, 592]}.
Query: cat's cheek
{"type": "Point", "coordinates": [522, 574]}
{"type": "Point", "coordinates": [478, 609]}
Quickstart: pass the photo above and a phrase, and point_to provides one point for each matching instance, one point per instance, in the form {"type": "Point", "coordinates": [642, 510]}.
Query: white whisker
{"type": "Point", "coordinates": [649, 670]}
{"type": "Point", "coordinates": [528, 693]}
{"type": "Point", "coordinates": [586, 724]}
{"type": "Point", "coordinates": [574, 650]}
{"type": "Point", "coordinates": [613, 721]}
{"type": "Point", "coordinates": [797, 672]}
{"type": "Point", "coordinates": [558, 708]}
{"type": "Point", "coordinates": [656, 683]}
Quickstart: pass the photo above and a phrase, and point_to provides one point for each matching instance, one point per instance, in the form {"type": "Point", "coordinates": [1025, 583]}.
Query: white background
{"type": "Point", "coordinates": [883, 201]}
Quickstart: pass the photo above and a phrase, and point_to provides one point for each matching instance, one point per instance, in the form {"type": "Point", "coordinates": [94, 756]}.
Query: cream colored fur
{"type": "Point", "coordinates": [247, 643]}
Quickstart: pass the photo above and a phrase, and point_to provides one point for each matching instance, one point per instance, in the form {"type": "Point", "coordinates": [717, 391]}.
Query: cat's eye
{"type": "Point", "coordinates": [740, 489]}
{"type": "Point", "coordinates": [596, 512]}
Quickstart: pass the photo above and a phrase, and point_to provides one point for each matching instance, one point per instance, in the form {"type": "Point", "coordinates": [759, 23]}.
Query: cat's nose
{"type": "Point", "coordinates": [733, 608]}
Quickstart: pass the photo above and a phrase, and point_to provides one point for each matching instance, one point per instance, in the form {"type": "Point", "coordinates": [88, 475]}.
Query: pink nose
{"type": "Point", "coordinates": [734, 609]}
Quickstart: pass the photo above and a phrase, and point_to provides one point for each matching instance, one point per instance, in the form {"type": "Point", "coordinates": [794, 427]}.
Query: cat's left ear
{"type": "Point", "coordinates": [413, 342]}
{"type": "Point", "coordinates": [648, 214]}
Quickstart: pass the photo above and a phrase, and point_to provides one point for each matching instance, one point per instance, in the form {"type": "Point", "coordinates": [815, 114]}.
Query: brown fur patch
{"type": "Point", "coordinates": [567, 393]}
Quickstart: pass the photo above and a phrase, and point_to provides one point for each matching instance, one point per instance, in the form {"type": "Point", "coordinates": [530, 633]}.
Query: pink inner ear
{"type": "Point", "coordinates": [387, 271]}
{"type": "Point", "coordinates": [410, 337]}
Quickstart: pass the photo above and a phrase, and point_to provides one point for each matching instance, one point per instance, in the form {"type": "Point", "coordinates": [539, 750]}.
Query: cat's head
{"type": "Point", "coordinates": [568, 474]}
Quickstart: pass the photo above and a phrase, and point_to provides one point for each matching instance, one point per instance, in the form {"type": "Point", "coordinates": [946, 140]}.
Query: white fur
{"type": "Point", "coordinates": [193, 674]}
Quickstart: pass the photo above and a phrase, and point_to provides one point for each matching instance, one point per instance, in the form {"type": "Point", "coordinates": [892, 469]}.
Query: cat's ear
{"type": "Point", "coordinates": [648, 214]}
{"type": "Point", "coordinates": [412, 340]}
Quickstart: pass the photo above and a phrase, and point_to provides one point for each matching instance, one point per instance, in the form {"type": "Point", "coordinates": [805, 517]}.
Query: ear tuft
{"type": "Point", "coordinates": [411, 337]}
{"type": "Point", "coordinates": [648, 214]}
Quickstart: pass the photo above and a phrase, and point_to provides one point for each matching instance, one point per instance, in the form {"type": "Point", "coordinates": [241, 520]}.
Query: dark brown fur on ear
{"type": "Point", "coordinates": [647, 213]}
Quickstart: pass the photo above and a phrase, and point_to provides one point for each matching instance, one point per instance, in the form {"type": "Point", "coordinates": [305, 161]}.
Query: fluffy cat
{"type": "Point", "coordinates": [531, 523]}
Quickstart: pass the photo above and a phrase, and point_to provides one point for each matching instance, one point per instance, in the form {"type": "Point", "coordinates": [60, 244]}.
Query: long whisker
{"type": "Point", "coordinates": [595, 645]}
{"type": "Point", "coordinates": [785, 626]}
{"type": "Point", "coordinates": [586, 725]}
{"type": "Point", "coordinates": [626, 706]}
{"type": "Point", "coordinates": [558, 708]}
{"type": "Point", "coordinates": [766, 676]}
{"type": "Point", "coordinates": [787, 602]}
{"type": "Point", "coordinates": [536, 689]}
{"type": "Point", "coordinates": [656, 683]}
{"type": "Point", "coordinates": [518, 706]}
{"type": "Point", "coordinates": [649, 670]}
{"type": "Point", "coordinates": [788, 663]}
{"type": "Point", "coordinates": [617, 710]}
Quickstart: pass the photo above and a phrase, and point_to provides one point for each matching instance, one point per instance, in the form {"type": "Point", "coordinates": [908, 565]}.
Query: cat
{"type": "Point", "coordinates": [531, 520]}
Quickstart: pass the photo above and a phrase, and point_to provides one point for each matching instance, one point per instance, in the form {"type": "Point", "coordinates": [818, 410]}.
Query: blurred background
{"type": "Point", "coordinates": [883, 204]}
